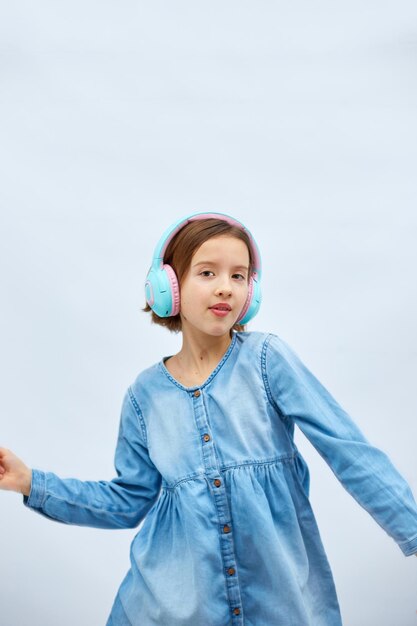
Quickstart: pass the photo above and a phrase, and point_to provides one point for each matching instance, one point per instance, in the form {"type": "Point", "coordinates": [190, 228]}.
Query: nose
{"type": "Point", "coordinates": [224, 287]}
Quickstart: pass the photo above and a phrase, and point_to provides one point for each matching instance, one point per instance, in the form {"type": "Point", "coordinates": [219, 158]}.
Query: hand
{"type": "Point", "coordinates": [14, 474]}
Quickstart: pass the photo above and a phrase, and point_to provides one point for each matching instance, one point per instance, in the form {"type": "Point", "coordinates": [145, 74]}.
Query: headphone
{"type": "Point", "coordinates": [162, 290]}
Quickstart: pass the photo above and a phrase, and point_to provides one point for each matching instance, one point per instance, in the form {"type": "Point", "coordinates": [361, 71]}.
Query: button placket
{"type": "Point", "coordinates": [214, 475]}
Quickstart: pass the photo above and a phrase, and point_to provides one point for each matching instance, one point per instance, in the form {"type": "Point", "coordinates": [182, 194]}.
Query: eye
{"type": "Point", "coordinates": [240, 276]}
{"type": "Point", "coordinates": [205, 272]}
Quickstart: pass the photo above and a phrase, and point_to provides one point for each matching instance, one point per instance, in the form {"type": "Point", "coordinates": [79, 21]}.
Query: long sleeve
{"type": "Point", "coordinates": [120, 503]}
{"type": "Point", "coordinates": [365, 471]}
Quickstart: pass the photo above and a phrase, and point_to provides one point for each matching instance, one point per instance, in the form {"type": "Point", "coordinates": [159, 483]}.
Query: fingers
{"type": "Point", "coordinates": [2, 466]}
{"type": "Point", "coordinates": [4, 458]}
{"type": "Point", "coordinates": [3, 453]}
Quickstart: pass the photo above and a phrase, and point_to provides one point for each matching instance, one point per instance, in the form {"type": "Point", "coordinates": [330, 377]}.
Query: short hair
{"type": "Point", "coordinates": [181, 249]}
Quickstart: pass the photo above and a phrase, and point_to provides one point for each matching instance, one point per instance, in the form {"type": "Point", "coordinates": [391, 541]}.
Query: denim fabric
{"type": "Point", "coordinates": [229, 537]}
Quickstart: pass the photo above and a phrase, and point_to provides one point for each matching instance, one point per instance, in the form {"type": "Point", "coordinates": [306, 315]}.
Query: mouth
{"type": "Point", "coordinates": [221, 310]}
{"type": "Point", "coordinates": [221, 307]}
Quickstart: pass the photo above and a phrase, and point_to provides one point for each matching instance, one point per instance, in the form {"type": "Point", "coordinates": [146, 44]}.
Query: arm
{"type": "Point", "coordinates": [365, 471]}
{"type": "Point", "coordinates": [120, 503]}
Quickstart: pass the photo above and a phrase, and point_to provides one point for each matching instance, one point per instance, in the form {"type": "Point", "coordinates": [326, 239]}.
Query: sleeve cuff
{"type": "Point", "coordinates": [37, 490]}
{"type": "Point", "coordinates": [409, 547]}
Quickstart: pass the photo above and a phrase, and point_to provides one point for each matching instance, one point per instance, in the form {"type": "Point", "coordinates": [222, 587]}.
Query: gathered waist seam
{"type": "Point", "coordinates": [278, 460]}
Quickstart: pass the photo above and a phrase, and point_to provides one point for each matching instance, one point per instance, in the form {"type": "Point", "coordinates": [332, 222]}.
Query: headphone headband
{"type": "Point", "coordinates": [169, 234]}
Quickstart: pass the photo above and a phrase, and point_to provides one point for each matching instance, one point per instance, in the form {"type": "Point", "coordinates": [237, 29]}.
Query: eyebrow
{"type": "Point", "coordinates": [236, 267]}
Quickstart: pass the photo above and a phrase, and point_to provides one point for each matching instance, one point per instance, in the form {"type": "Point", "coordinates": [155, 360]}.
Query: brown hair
{"type": "Point", "coordinates": [181, 249]}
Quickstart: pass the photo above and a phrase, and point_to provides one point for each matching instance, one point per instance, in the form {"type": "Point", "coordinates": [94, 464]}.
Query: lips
{"type": "Point", "coordinates": [221, 307]}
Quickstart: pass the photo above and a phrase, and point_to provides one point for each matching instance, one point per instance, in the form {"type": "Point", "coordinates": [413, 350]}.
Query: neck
{"type": "Point", "coordinates": [201, 353]}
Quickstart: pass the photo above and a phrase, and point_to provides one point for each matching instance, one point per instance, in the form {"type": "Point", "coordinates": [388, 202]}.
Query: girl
{"type": "Point", "coordinates": [206, 457]}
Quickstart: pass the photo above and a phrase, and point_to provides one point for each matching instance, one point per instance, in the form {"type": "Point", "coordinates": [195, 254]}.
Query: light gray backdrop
{"type": "Point", "coordinates": [118, 118]}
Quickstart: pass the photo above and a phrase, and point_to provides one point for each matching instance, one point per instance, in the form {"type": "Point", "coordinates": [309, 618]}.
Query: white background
{"type": "Point", "coordinates": [119, 118]}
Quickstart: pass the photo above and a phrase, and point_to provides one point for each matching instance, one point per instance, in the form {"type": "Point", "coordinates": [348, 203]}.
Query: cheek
{"type": "Point", "coordinates": [193, 296]}
{"type": "Point", "coordinates": [188, 294]}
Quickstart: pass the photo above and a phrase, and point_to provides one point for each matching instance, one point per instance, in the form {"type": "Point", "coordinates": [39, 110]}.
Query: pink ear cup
{"type": "Point", "coordinates": [175, 290]}
{"type": "Point", "coordinates": [248, 301]}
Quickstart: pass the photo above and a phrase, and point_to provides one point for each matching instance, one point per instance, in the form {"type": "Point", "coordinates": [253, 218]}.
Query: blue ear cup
{"type": "Point", "coordinates": [162, 291]}
{"type": "Point", "coordinates": [253, 302]}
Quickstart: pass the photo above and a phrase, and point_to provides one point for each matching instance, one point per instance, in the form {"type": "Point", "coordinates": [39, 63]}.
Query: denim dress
{"type": "Point", "coordinates": [229, 537]}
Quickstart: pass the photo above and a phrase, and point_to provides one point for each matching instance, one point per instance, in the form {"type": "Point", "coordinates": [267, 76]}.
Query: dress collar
{"type": "Point", "coordinates": [212, 375]}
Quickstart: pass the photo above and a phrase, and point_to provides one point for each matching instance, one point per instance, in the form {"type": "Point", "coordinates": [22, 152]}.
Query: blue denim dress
{"type": "Point", "coordinates": [229, 537]}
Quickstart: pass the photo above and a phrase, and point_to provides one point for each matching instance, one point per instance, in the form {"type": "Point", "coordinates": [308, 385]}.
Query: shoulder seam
{"type": "Point", "coordinates": [265, 377]}
{"type": "Point", "coordinates": [138, 414]}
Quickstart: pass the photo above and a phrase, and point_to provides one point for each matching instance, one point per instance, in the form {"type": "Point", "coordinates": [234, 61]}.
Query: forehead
{"type": "Point", "coordinates": [222, 248]}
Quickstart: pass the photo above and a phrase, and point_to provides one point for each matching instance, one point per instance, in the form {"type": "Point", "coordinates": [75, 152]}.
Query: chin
{"type": "Point", "coordinates": [219, 332]}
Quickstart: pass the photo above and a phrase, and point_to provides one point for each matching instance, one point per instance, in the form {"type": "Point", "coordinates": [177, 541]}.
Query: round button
{"type": "Point", "coordinates": [206, 437]}
{"type": "Point", "coordinates": [226, 528]}
{"type": "Point", "coordinates": [231, 571]}
{"type": "Point", "coordinates": [217, 482]}
{"type": "Point", "coordinates": [236, 611]}
{"type": "Point", "coordinates": [197, 393]}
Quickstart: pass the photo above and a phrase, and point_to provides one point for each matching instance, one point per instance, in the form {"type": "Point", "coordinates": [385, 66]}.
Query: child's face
{"type": "Point", "coordinates": [218, 273]}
